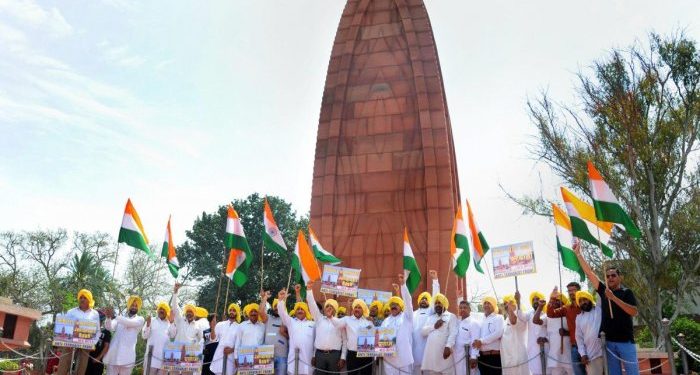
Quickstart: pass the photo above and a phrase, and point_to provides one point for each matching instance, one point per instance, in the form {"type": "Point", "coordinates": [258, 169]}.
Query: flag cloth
{"type": "Point", "coordinates": [272, 237]}
{"type": "Point", "coordinates": [607, 208]}
{"type": "Point", "coordinates": [131, 231]}
{"type": "Point", "coordinates": [410, 266]}
{"type": "Point", "coordinates": [168, 252]}
{"type": "Point", "coordinates": [478, 240]}
{"type": "Point", "coordinates": [565, 241]}
{"type": "Point", "coordinates": [321, 254]}
{"type": "Point", "coordinates": [459, 247]}
{"type": "Point", "coordinates": [304, 262]}
{"type": "Point", "coordinates": [240, 257]}
{"type": "Point", "coordinates": [584, 224]}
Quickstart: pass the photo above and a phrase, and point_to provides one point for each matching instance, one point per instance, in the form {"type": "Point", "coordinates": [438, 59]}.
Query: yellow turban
{"type": "Point", "coordinates": [508, 298]}
{"type": "Point", "coordinates": [493, 303]}
{"type": "Point", "coordinates": [333, 303]}
{"type": "Point", "coordinates": [189, 307]}
{"type": "Point", "coordinates": [425, 295]}
{"type": "Point", "coordinates": [249, 307]}
{"type": "Point", "coordinates": [133, 299]}
{"type": "Point", "coordinates": [583, 294]}
{"type": "Point", "coordinates": [274, 303]}
{"type": "Point", "coordinates": [343, 310]}
{"type": "Point", "coordinates": [165, 307]}
{"type": "Point", "coordinates": [386, 311]}
{"type": "Point", "coordinates": [380, 308]}
{"type": "Point", "coordinates": [363, 305]}
{"type": "Point", "coordinates": [303, 306]}
{"type": "Point", "coordinates": [443, 300]}
{"type": "Point", "coordinates": [564, 299]}
{"type": "Point", "coordinates": [200, 312]}
{"type": "Point", "coordinates": [238, 311]}
{"type": "Point", "coordinates": [396, 300]}
{"type": "Point", "coordinates": [540, 296]}
{"type": "Point", "coordinates": [88, 295]}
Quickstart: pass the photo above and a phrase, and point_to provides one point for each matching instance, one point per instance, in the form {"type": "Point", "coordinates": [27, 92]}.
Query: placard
{"type": "Point", "coordinates": [513, 260]}
{"type": "Point", "coordinates": [182, 356]}
{"type": "Point", "coordinates": [376, 342]}
{"type": "Point", "coordinates": [71, 333]}
{"type": "Point", "coordinates": [368, 295]}
{"type": "Point", "coordinates": [256, 360]}
{"type": "Point", "coordinates": [340, 280]}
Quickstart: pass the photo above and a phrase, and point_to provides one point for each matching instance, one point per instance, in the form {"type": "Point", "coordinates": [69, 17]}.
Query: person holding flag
{"type": "Point", "coordinates": [184, 327]}
{"type": "Point", "coordinates": [331, 351]}
{"type": "Point", "coordinates": [276, 334]}
{"type": "Point", "coordinates": [121, 357]}
{"type": "Point", "coordinates": [155, 332]}
{"type": "Point", "coordinates": [168, 252]}
{"type": "Point", "coordinates": [401, 320]}
{"type": "Point", "coordinates": [252, 331]}
{"type": "Point", "coordinates": [513, 342]}
{"type": "Point", "coordinates": [557, 309]}
{"type": "Point", "coordinates": [301, 333]}
{"type": "Point", "coordinates": [422, 314]}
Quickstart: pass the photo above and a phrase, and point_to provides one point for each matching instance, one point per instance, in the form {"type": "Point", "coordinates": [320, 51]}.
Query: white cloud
{"type": "Point", "coordinates": [29, 13]}
{"type": "Point", "coordinates": [120, 55]}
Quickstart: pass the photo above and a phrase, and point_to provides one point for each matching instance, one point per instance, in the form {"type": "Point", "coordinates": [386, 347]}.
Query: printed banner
{"type": "Point", "coordinates": [340, 280]}
{"type": "Point", "coordinates": [513, 260]}
{"type": "Point", "coordinates": [71, 333]}
{"type": "Point", "coordinates": [182, 356]}
{"type": "Point", "coordinates": [376, 342]}
{"type": "Point", "coordinates": [369, 295]}
{"type": "Point", "coordinates": [256, 360]}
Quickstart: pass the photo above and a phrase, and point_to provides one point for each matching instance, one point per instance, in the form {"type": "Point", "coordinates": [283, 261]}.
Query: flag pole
{"type": "Point", "coordinates": [114, 267]}
{"type": "Point", "coordinates": [561, 318]}
{"type": "Point", "coordinates": [488, 271]}
{"type": "Point", "coordinates": [262, 263]}
{"type": "Point", "coordinates": [223, 313]}
{"type": "Point", "coordinates": [218, 290]}
{"type": "Point", "coordinates": [289, 280]}
{"type": "Point", "coordinates": [605, 276]}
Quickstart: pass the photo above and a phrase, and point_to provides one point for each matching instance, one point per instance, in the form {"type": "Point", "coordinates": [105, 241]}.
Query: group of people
{"type": "Point", "coordinates": [429, 340]}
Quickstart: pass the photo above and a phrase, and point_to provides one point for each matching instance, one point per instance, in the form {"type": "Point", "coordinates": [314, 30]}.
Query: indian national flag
{"type": "Point", "coordinates": [606, 205]}
{"type": "Point", "coordinates": [459, 247]}
{"type": "Point", "coordinates": [131, 232]}
{"type": "Point", "coordinates": [169, 252]}
{"type": "Point", "coordinates": [304, 262]}
{"type": "Point", "coordinates": [565, 241]}
{"type": "Point", "coordinates": [478, 240]}
{"type": "Point", "coordinates": [410, 266]}
{"type": "Point", "coordinates": [240, 256]}
{"type": "Point", "coordinates": [584, 224]}
{"type": "Point", "coordinates": [322, 255]}
{"type": "Point", "coordinates": [272, 237]}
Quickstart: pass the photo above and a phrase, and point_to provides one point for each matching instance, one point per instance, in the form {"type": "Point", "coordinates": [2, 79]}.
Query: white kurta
{"type": "Point", "coordinates": [587, 330]}
{"type": "Point", "coordinates": [157, 335]}
{"type": "Point", "coordinates": [535, 331]}
{"type": "Point", "coordinates": [228, 340]}
{"type": "Point", "coordinates": [436, 342]}
{"type": "Point", "coordinates": [301, 336]}
{"type": "Point", "coordinates": [182, 330]}
{"type": "Point", "coordinates": [122, 348]}
{"type": "Point", "coordinates": [420, 316]}
{"type": "Point", "coordinates": [491, 332]}
{"type": "Point", "coordinates": [327, 336]}
{"type": "Point", "coordinates": [249, 334]}
{"type": "Point", "coordinates": [403, 326]}
{"type": "Point", "coordinates": [513, 349]}
{"type": "Point", "coordinates": [352, 327]}
{"type": "Point", "coordinates": [468, 330]}
{"type": "Point", "coordinates": [559, 361]}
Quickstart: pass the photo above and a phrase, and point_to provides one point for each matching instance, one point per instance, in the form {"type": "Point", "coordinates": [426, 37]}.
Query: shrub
{"type": "Point", "coordinates": [7, 365]}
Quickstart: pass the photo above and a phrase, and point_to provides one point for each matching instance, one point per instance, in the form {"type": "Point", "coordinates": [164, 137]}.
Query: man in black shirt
{"type": "Point", "coordinates": [617, 326]}
{"type": "Point", "coordinates": [95, 365]}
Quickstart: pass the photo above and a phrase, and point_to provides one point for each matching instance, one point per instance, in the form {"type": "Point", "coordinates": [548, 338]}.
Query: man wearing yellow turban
{"type": "Point", "coordinates": [184, 328]}
{"type": "Point", "coordinates": [121, 357]}
{"type": "Point", "coordinates": [156, 333]}
{"type": "Point", "coordinates": [587, 328]}
{"type": "Point", "coordinates": [352, 325]}
{"type": "Point", "coordinates": [489, 342]}
{"type": "Point", "coordinates": [401, 320]}
{"type": "Point", "coordinates": [225, 331]}
{"type": "Point", "coordinates": [252, 331]}
{"type": "Point", "coordinates": [342, 312]}
{"type": "Point", "coordinates": [536, 332]}
{"type": "Point", "coordinates": [558, 309]}
{"type": "Point", "coordinates": [420, 317]}
{"type": "Point", "coordinates": [441, 332]}
{"type": "Point", "coordinates": [84, 311]}
{"type": "Point", "coordinates": [468, 330]}
{"type": "Point", "coordinates": [301, 332]}
{"type": "Point", "coordinates": [376, 312]}
{"type": "Point", "coordinates": [513, 342]}
{"type": "Point", "coordinates": [330, 354]}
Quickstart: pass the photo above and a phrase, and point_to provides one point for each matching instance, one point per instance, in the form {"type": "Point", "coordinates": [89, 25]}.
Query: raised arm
{"type": "Point", "coordinates": [174, 303]}
{"type": "Point", "coordinates": [584, 265]}
{"type": "Point", "coordinates": [311, 301]}
{"type": "Point", "coordinates": [262, 307]}
{"type": "Point", "coordinates": [553, 312]}
{"type": "Point", "coordinates": [282, 307]}
{"type": "Point", "coordinates": [407, 299]}
{"type": "Point", "coordinates": [146, 330]}
{"type": "Point", "coordinates": [436, 289]}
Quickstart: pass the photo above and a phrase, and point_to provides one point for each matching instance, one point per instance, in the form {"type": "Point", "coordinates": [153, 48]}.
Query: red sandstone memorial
{"type": "Point", "coordinates": [384, 152]}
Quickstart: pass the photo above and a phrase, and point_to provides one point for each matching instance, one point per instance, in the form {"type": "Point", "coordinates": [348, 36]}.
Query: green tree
{"type": "Point", "coordinates": [638, 120]}
{"type": "Point", "coordinates": [203, 253]}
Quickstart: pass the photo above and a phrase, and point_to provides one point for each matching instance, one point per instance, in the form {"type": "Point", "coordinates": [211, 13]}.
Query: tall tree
{"type": "Point", "coordinates": [638, 120]}
{"type": "Point", "coordinates": [203, 252]}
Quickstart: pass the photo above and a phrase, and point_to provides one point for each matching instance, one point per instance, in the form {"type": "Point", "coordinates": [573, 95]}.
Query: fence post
{"type": "Point", "coordinates": [684, 356]}
{"type": "Point", "coordinates": [224, 365]}
{"type": "Point", "coordinates": [604, 344]}
{"type": "Point", "coordinates": [149, 355]}
{"type": "Point", "coordinates": [296, 361]}
{"type": "Point", "coordinates": [380, 365]}
{"type": "Point", "coordinates": [72, 360]}
{"type": "Point", "coordinates": [466, 358]}
{"type": "Point", "coordinates": [666, 328]}
{"type": "Point", "coordinates": [543, 357]}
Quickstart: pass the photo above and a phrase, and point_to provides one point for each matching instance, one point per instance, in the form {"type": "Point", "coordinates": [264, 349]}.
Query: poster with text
{"type": "Point", "coordinates": [71, 333]}
{"type": "Point", "coordinates": [376, 342]}
{"type": "Point", "coordinates": [513, 260]}
{"type": "Point", "coordinates": [340, 280]}
{"type": "Point", "coordinates": [256, 360]}
{"type": "Point", "coordinates": [182, 356]}
{"type": "Point", "coordinates": [369, 295]}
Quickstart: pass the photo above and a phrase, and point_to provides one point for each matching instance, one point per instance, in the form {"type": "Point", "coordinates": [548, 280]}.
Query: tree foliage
{"type": "Point", "coordinates": [204, 254]}
{"type": "Point", "coordinates": [638, 120]}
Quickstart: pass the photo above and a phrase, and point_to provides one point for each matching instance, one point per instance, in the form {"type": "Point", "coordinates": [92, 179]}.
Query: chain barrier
{"type": "Point", "coordinates": [22, 355]}
{"type": "Point", "coordinates": [335, 372]}
{"type": "Point", "coordinates": [692, 355]}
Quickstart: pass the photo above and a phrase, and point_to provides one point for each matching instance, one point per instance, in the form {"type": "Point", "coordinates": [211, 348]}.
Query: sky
{"type": "Point", "coordinates": [184, 106]}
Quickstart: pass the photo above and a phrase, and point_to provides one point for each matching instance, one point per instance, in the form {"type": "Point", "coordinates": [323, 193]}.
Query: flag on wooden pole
{"type": "Point", "coordinates": [565, 241]}
{"type": "Point", "coordinates": [321, 254]}
{"type": "Point", "coordinates": [272, 237]}
{"type": "Point", "coordinates": [410, 266]}
{"type": "Point", "coordinates": [304, 262]}
{"type": "Point", "coordinates": [131, 231]}
{"type": "Point", "coordinates": [240, 256]}
{"type": "Point", "coordinates": [168, 252]}
{"type": "Point", "coordinates": [607, 208]}
{"type": "Point", "coordinates": [459, 247]}
{"type": "Point", "coordinates": [584, 224]}
{"type": "Point", "coordinates": [478, 240]}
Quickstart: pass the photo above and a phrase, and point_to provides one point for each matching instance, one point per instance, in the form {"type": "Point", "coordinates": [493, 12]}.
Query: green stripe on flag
{"type": "Point", "coordinates": [613, 213]}
{"type": "Point", "coordinates": [174, 270]}
{"type": "Point", "coordinates": [325, 257]}
{"type": "Point", "coordinates": [414, 277]}
{"type": "Point", "coordinates": [579, 229]}
{"type": "Point", "coordinates": [462, 261]}
{"type": "Point", "coordinates": [133, 239]}
{"type": "Point", "coordinates": [272, 245]}
{"type": "Point", "coordinates": [569, 260]}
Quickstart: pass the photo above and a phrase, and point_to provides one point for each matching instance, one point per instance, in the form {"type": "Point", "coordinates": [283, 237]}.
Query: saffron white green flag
{"type": "Point", "coordinates": [607, 208]}
{"type": "Point", "coordinates": [240, 257]}
{"type": "Point", "coordinates": [272, 237]}
{"type": "Point", "coordinates": [168, 252]}
{"type": "Point", "coordinates": [459, 247]}
{"type": "Point", "coordinates": [478, 240]}
{"type": "Point", "coordinates": [321, 254]}
{"type": "Point", "coordinates": [565, 241]}
{"type": "Point", "coordinates": [131, 231]}
{"type": "Point", "coordinates": [584, 224]}
{"type": "Point", "coordinates": [410, 266]}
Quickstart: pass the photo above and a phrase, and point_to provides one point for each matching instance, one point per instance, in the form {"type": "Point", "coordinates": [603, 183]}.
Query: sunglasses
{"type": "Point", "coordinates": [611, 276]}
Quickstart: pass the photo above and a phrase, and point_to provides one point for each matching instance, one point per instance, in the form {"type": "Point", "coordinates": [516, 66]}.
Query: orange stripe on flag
{"type": "Point", "coordinates": [474, 231]}
{"type": "Point", "coordinates": [561, 218]}
{"type": "Point", "coordinates": [593, 172]}
{"type": "Point", "coordinates": [132, 211]}
{"type": "Point", "coordinates": [307, 259]}
{"type": "Point", "coordinates": [268, 213]}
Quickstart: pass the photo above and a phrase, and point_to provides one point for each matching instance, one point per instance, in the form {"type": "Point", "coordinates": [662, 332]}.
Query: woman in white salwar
{"type": "Point", "coordinates": [513, 349]}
